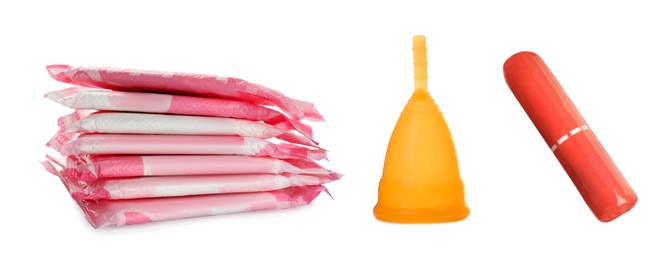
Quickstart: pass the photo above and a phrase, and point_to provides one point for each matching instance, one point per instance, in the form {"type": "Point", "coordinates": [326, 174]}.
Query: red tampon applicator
{"type": "Point", "coordinates": [574, 144]}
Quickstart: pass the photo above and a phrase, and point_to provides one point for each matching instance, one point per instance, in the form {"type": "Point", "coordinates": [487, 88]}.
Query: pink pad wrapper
{"type": "Point", "coordinates": [84, 121]}
{"type": "Point", "coordinates": [175, 186]}
{"type": "Point", "coordinates": [182, 83]}
{"type": "Point", "coordinates": [91, 99]}
{"type": "Point", "coordinates": [89, 168]}
{"type": "Point", "coordinates": [111, 213]}
{"type": "Point", "coordinates": [115, 144]}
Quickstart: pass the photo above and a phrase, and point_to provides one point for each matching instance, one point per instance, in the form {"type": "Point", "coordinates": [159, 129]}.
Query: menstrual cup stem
{"type": "Point", "coordinates": [419, 63]}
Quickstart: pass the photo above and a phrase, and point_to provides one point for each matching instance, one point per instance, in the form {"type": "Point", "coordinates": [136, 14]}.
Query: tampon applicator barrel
{"type": "Point", "coordinates": [574, 144]}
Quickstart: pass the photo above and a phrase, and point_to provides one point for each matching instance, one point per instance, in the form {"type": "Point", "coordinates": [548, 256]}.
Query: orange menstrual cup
{"type": "Point", "coordinates": [421, 180]}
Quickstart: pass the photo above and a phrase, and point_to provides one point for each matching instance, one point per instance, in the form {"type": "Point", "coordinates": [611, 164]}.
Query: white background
{"type": "Point", "coordinates": [353, 60]}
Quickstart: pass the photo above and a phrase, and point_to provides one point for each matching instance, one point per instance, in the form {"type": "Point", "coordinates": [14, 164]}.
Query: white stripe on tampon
{"type": "Point", "coordinates": [566, 136]}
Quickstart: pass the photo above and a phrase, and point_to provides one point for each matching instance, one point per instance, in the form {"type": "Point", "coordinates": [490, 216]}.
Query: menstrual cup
{"type": "Point", "coordinates": [569, 137]}
{"type": "Point", "coordinates": [421, 180]}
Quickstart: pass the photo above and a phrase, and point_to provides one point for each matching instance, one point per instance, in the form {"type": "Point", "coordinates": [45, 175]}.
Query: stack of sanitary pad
{"type": "Point", "coordinates": [144, 146]}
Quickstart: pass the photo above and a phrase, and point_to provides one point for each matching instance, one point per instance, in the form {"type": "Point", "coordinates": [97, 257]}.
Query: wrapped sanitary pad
{"type": "Point", "coordinates": [109, 213]}
{"type": "Point", "coordinates": [138, 123]}
{"type": "Point", "coordinates": [96, 99]}
{"type": "Point", "coordinates": [75, 144]}
{"type": "Point", "coordinates": [88, 168]}
{"type": "Point", "coordinates": [183, 83]}
{"type": "Point", "coordinates": [173, 186]}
